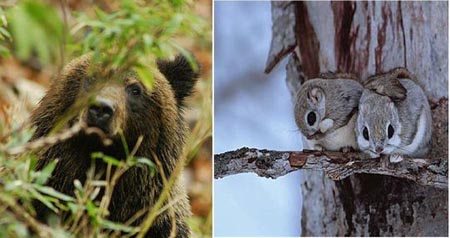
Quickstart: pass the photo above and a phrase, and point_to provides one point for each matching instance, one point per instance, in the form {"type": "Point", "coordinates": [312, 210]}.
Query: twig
{"type": "Point", "coordinates": [59, 137]}
{"type": "Point", "coordinates": [337, 165]}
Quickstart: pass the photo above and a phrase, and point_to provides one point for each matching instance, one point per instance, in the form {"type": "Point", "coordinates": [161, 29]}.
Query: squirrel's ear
{"type": "Point", "coordinates": [388, 84]}
{"type": "Point", "coordinates": [397, 92]}
{"type": "Point", "coordinates": [315, 95]}
{"type": "Point", "coordinates": [180, 74]}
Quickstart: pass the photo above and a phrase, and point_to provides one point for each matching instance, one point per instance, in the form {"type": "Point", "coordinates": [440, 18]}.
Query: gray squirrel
{"type": "Point", "coordinates": [326, 111]}
{"type": "Point", "coordinates": [394, 117]}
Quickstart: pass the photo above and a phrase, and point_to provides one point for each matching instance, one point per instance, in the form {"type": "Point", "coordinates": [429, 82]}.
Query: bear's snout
{"type": "Point", "coordinates": [107, 109]}
{"type": "Point", "coordinates": [100, 114]}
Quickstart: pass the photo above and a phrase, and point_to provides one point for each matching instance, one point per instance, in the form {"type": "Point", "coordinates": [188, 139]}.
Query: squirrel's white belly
{"type": "Point", "coordinates": [340, 138]}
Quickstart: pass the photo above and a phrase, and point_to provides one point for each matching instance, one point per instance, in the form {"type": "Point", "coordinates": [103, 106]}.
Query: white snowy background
{"type": "Point", "coordinates": [253, 110]}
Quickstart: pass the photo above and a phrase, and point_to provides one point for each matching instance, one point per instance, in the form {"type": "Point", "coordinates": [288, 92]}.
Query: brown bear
{"type": "Point", "coordinates": [121, 104]}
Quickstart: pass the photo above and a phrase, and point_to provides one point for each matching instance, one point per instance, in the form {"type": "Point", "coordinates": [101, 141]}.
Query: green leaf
{"type": "Point", "coordinates": [174, 24]}
{"type": "Point", "coordinates": [78, 186]}
{"type": "Point", "coordinates": [106, 158]}
{"type": "Point", "coordinates": [111, 160]}
{"type": "Point", "coordinates": [147, 162]}
{"type": "Point", "coordinates": [43, 175]}
{"type": "Point", "coordinates": [186, 54]}
{"type": "Point", "coordinates": [3, 20]}
{"type": "Point", "coordinates": [52, 192]}
{"type": "Point", "coordinates": [145, 75]}
{"type": "Point", "coordinates": [33, 163]}
{"type": "Point", "coordinates": [44, 199]}
{"type": "Point", "coordinates": [4, 32]}
{"type": "Point", "coordinates": [99, 12]}
{"type": "Point", "coordinates": [91, 208]}
{"type": "Point", "coordinates": [13, 185]}
{"type": "Point", "coordinates": [19, 139]}
{"type": "Point", "coordinates": [97, 155]}
{"type": "Point", "coordinates": [116, 226]}
{"type": "Point", "coordinates": [73, 207]}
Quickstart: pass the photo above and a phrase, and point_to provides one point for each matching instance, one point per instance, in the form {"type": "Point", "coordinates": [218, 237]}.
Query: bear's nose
{"type": "Point", "coordinates": [100, 114]}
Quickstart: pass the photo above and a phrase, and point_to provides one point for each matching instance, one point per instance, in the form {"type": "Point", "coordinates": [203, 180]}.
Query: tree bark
{"type": "Point", "coordinates": [366, 38]}
{"type": "Point", "coordinates": [337, 165]}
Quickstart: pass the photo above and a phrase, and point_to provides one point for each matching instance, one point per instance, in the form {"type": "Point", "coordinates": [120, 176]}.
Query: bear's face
{"type": "Point", "coordinates": [107, 105]}
{"type": "Point", "coordinates": [119, 103]}
{"type": "Point", "coordinates": [122, 104]}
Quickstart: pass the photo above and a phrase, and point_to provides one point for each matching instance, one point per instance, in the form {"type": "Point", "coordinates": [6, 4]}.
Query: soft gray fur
{"type": "Point", "coordinates": [410, 119]}
{"type": "Point", "coordinates": [334, 103]}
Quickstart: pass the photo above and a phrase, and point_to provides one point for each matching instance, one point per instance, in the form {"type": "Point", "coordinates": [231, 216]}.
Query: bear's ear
{"type": "Point", "coordinates": [181, 76]}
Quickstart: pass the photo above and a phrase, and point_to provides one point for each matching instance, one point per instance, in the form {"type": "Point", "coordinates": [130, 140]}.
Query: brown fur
{"type": "Point", "coordinates": [155, 114]}
{"type": "Point", "coordinates": [388, 84]}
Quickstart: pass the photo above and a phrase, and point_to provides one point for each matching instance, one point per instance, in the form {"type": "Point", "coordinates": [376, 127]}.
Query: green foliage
{"type": "Point", "coordinates": [120, 39]}
{"type": "Point", "coordinates": [4, 34]}
{"type": "Point", "coordinates": [20, 182]}
{"type": "Point", "coordinates": [127, 37]}
{"type": "Point", "coordinates": [36, 29]}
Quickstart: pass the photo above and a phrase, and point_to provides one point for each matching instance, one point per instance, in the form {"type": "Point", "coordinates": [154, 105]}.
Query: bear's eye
{"type": "Point", "coordinates": [366, 133]}
{"type": "Point", "coordinates": [390, 131]}
{"type": "Point", "coordinates": [134, 89]}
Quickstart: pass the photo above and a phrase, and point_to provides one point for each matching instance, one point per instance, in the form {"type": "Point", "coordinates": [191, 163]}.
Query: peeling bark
{"type": "Point", "coordinates": [336, 165]}
{"type": "Point", "coordinates": [283, 40]}
{"type": "Point", "coordinates": [294, 75]}
{"type": "Point", "coordinates": [366, 38]}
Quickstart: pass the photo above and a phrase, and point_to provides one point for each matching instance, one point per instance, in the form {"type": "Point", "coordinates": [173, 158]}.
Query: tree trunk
{"type": "Point", "coordinates": [366, 38]}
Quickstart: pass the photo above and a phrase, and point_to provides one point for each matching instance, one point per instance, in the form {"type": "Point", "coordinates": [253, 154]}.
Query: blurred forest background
{"type": "Point", "coordinates": [37, 38]}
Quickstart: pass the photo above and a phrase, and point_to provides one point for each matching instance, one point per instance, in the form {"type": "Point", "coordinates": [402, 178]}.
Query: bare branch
{"type": "Point", "coordinates": [57, 138]}
{"type": "Point", "coordinates": [337, 165]}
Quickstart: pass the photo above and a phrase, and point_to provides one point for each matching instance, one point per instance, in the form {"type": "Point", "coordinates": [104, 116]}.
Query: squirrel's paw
{"type": "Point", "coordinates": [325, 125]}
{"type": "Point", "coordinates": [395, 158]}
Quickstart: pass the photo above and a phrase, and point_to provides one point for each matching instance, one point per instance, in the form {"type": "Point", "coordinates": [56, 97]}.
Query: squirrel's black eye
{"type": "Point", "coordinates": [366, 133]}
{"type": "Point", "coordinates": [134, 89]}
{"type": "Point", "coordinates": [311, 118]}
{"type": "Point", "coordinates": [390, 131]}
